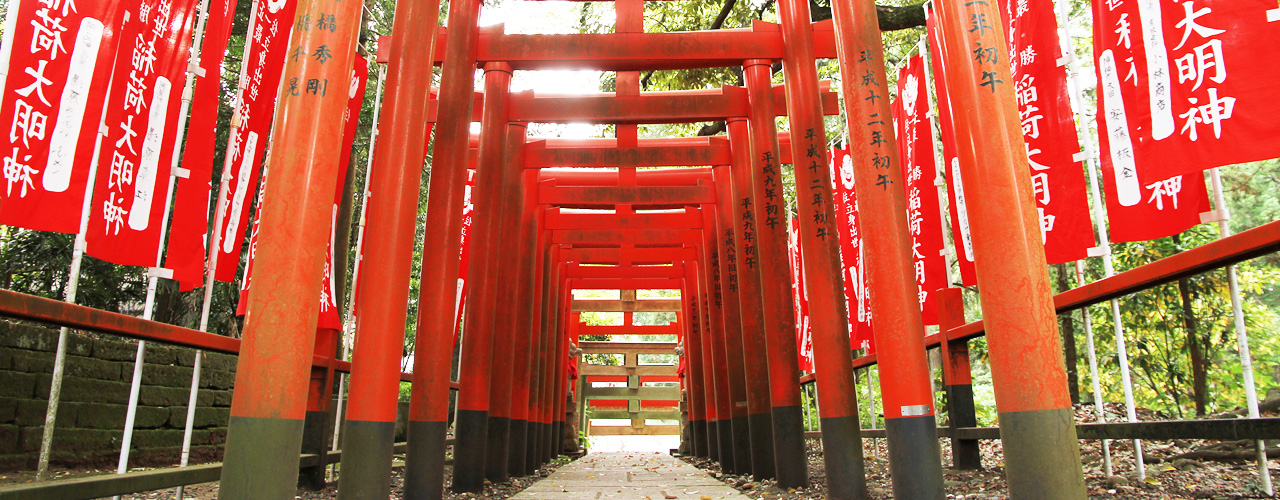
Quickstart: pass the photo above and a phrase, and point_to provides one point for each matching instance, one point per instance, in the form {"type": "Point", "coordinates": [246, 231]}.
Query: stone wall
{"type": "Point", "coordinates": [95, 395]}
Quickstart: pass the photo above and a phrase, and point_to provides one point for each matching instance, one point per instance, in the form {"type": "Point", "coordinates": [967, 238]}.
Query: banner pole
{"type": "Point", "coordinates": [1104, 240]}
{"type": "Point", "coordinates": [349, 325]}
{"type": "Point", "coordinates": [1242, 338]}
{"type": "Point", "coordinates": [73, 283]}
{"type": "Point", "coordinates": [1093, 374]}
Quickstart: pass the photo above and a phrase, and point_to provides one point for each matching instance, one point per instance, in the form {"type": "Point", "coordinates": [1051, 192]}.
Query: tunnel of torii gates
{"type": "Point", "coordinates": [714, 216]}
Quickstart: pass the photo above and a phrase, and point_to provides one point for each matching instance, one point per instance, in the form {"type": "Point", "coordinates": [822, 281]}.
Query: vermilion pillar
{"type": "Point", "coordinates": [764, 174]}
{"type": "Point", "coordinates": [369, 429]}
{"type": "Point", "coordinates": [265, 430]}
{"type": "Point", "coordinates": [471, 434]}
{"type": "Point", "coordinates": [915, 461]}
{"type": "Point", "coordinates": [727, 297]}
{"type": "Point", "coordinates": [506, 262]}
{"type": "Point", "coordinates": [317, 427]}
{"type": "Point", "coordinates": [695, 389]}
{"type": "Point", "coordinates": [957, 379]}
{"type": "Point", "coordinates": [838, 406]}
{"type": "Point", "coordinates": [706, 361]}
{"type": "Point", "coordinates": [741, 206]}
{"type": "Point", "coordinates": [1042, 455]}
{"type": "Point", "coordinates": [712, 300]}
{"type": "Point", "coordinates": [694, 363]}
{"type": "Point", "coordinates": [561, 355]}
{"type": "Point", "coordinates": [537, 394]}
{"type": "Point", "coordinates": [437, 323]}
{"type": "Point", "coordinates": [523, 326]}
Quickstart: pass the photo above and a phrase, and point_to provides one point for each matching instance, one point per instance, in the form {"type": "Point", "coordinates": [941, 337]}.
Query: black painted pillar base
{"type": "Point", "coordinates": [557, 439]}
{"type": "Point", "coordinates": [698, 433]}
{"type": "Point", "coordinates": [915, 462]}
{"type": "Point", "coordinates": [469, 450]}
{"type": "Point", "coordinates": [367, 450]}
{"type": "Point", "coordinates": [713, 440]}
{"type": "Point", "coordinates": [790, 462]}
{"type": "Point", "coordinates": [741, 445]}
{"type": "Point", "coordinates": [261, 459]}
{"type": "Point", "coordinates": [965, 454]}
{"type": "Point", "coordinates": [424, 463]}
{"type": "Point", "coordinates": [534, 448]}
{"type": "Point", "coordinates": [726, 445]}
{"type": "Point", "coordinates": [842, 454]}
{"type": "Point", "coordinates": [516, 454]}
{"type": "Point", "coordinates": [315, 428]}
{"type": "Point", "coordinates": [1042, 454]}
{"type": "Point", "coordinates": [498, 456]}
{"type": "Point", "coordinates": [762, 466]}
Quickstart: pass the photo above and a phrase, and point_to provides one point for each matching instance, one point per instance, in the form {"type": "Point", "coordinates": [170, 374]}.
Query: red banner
{"type": "Point", "coordinates": [59, 58]}
{"type": "Point", "coordinates": [464, 252]}
{"type": "Point", "coordinates": [924, 217]}
{"type": "Point", "coordinates": [1049, 129]}
{"type": "Point", "coordinates": [1139, 209]}
{"type": "Point", "coordinates": [951, 162]}
{"type": "Point", "coordinates": [330, 316]}
{"type": "Point", "coordinates": [799, 298]}
{"type": "Point", "coordinates": [851, 264]}
{"type": "Point", "coordinates": [190, 227]}
{"type": "Point", "coordinates": [131, 192]}
{"type": "Point", "coordinates": [255, 105]}
{"type": "Point", "coordinates": [1197, 86]}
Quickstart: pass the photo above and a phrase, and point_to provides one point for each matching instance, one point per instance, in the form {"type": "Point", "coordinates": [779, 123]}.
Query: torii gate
{"type": "Point", "coordinates": [267, 422]}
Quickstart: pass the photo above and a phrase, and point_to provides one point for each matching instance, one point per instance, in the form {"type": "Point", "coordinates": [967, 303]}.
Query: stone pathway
{"type": "Point", "coordinates": [629, 476]}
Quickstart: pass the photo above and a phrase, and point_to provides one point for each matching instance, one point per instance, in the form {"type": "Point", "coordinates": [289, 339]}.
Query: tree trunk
{"type": "Point", "coordinates": [1199, 368]}
{"type": "Point", "coordinates": [1069, 339]}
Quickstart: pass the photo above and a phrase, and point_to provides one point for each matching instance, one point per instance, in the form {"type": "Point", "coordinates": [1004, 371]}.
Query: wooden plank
{"type": "Point", "coordinates": [626, 306]}
{"type": "Point", "coordinates": [598, 347]}
{"type": "Point", "coordinates": [585, 370]}
{"type": "Point", "coordinates": [647, 430]}
{"type": "Point", "coordinates": [640, 393]}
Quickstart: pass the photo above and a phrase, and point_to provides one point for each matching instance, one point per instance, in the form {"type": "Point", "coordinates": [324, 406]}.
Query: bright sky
{"type": "Point", "coordinates": [528, 17]}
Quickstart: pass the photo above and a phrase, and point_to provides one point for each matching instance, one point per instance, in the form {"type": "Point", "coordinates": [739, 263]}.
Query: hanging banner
{"type": "Point", "coordinates": [1131, 84]}
{"type": "Point", "coordinates": [1197, 79]}
{"type": "Point", "coordinates": [255, 104]}
{"type": "Point", "coordinates": [1049, 129]}
{"type": "Point", "coordinates": [799, 298]}
{"type": "Point", "coordinates": [131, 191]}
{"type": "Point", "coordinates": [59, 57]}
{"type": "Point", "coordinates": [330, 317]}
{"type": "Point", "coordinates": [924, 217]}
{"type": "Point", "coordinates": [190, 228]}
{"type": "Point", "coordinates": [464, 252]}
{"type": "Point", "coordinates": [951, 162]}
{"type": "Point", "coordinates": [852, 266]}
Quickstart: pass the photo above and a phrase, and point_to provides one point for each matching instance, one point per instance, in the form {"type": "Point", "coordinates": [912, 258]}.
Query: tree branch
{"type": "Point", "coordinates": [890, 18]}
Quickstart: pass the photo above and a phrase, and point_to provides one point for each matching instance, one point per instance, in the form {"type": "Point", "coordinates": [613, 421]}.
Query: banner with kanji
{"type": "Point", "coordinates": [58, 57]}
{"type": "Point", "coordinates": [1048, 128]}
{"type": "Point", "coordinates": [951, 161]}
{"type": "Point", "coordinates": [131, 192]}
{"type": "Point", "coordinates": [924, 217]}
{"type": "Point", "coordinates": [464, 252]}
{"type": "Point", "coordinates": [852, 266]}
{"type": "Point", "coordinates": [1197, 78]}
{"type": "Point", "coordinates": [1135, 124]}
{"type": "Point", "coordinates": [330, 316]}
{"type": "Point", "coordinates": [255, 106]}
{"type": "Point", "coordinates": [799, 297]}
{"type": "Point", "coordinates": [187, 248]}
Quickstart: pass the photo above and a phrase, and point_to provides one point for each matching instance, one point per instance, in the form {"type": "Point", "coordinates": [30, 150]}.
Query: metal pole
{"type": "Point", "coordinates": [265, 430]}
{"type": "Point", "coordinates": [73, 283]}
{"type": "Point", "coordinates": [1093, 373]}
{"type": "Point", "coordinates": [759, 179]}
{"type": "Point", "coordinates": [1242, 337]}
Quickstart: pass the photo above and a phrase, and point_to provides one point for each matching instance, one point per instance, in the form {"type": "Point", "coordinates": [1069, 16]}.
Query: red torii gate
{"type": "Point", "coordinates": [500, 432]}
